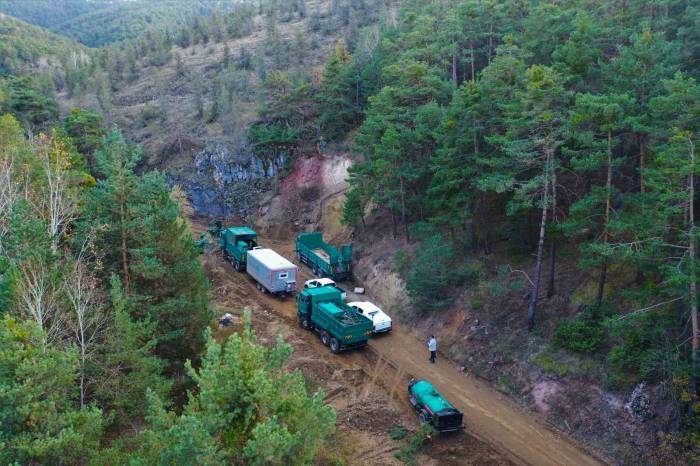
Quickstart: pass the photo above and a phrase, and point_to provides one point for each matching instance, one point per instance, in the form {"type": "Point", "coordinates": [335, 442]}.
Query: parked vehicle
{"type": "Point", "coordinates": [433, 408]}
{"type": "Point", "coordinates": [323, 259]}
{"type": "Point", "coordinates": [214, 228]}
{"type": "Point", "coordinates": [272, 272]}
{"type": "Point", "coordinates": [235, 242]}
{"type": "Point", "coordinates": [339, 326]}
{"type": "Point", "coordinates": [380, 321]}
{"type": "Point", "coordinates": [316, 282]}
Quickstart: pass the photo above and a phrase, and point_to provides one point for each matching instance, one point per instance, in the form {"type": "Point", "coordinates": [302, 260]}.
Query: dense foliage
{"type": "Point", "coordinates": [520, 127]}
{"type": "Point", "coordinates": [101, 22]}
{"type": "Point", "coordinates": [103, 311]}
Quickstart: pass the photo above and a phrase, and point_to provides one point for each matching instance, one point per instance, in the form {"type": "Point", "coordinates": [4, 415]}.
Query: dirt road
{"type": "Point", "coordinates": [489, 415]}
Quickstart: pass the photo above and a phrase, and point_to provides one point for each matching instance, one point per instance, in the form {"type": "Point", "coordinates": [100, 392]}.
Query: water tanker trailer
{"type": "Point", "coordinates": [433, 408]}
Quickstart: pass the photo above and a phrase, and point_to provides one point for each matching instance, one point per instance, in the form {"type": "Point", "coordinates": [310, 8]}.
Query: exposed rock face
{"type": "Point", "coordinates": [229, 165]}
{"type": "Point", "coordinates": [229, 179]}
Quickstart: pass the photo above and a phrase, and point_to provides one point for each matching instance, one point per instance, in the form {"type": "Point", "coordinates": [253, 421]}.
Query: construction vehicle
{"type": "Point", "coordinates": [323, 259]}
{"type": "Point", "coordinates": [214, 228]}
{"type": "Point", "coordinates": [340, 327]}
{"type": "Point", "coordinates": [433, 408]}
{"type": "Point", "coordinates": [235, 242]}
{"type": "Point", "coordinates": [272, 272]}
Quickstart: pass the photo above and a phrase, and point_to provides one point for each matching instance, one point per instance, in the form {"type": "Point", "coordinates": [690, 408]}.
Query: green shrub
{"type": "Point", "coordinates": [580, 334]}
{"type": "Point", "coordinates": [398, 432]}
{"type": "Point", "coordinates": [402, 263]}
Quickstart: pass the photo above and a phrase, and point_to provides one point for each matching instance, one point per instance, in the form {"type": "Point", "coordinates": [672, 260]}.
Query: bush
{"type": "Point", "coordinates": [584, 333]}
{"type": "Point", "coordinates": [402, 263]}
{"type": "Point", "coordinates": [398, 432]}
{"type": "Point", "coordinates": [580, 334]}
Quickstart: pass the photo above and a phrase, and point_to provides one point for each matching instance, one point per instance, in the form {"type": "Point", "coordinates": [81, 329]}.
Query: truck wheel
{"type": "Point", "coordinates": [325, 338]}
{"type": "Point", "coordinates": [305, 323]}
{"type": "Point", "coordinates": [335, 346]}
{"type": "Point", "coordinates": [423, 418]}
{"type": "Point", "coordinates": [315, 270]}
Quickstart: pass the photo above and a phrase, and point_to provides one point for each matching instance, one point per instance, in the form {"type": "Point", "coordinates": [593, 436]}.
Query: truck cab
{"type": "Point", "coordinates": [339, 326]}
{"type": "Point", "coordinates": [235, 243]}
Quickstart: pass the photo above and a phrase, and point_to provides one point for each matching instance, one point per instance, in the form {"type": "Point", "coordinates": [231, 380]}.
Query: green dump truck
{"type": "Point", "coordinates": [433, 408]}
{"type": "Point", "coordinates": [339, 326]}
{"type": "Point", "coordinates": [235, 243]}
{"type": "Point", "coordinates": [323, 259]}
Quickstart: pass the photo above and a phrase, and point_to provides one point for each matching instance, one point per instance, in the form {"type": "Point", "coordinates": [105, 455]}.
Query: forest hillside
{"type": "Point", "coordinates": [521, 175]}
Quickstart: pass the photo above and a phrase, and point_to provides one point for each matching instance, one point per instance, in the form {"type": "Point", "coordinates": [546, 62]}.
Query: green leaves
{"type": "Point", "coordinates": [38, 416]}
{"type": "Point", "coordinates": [247, 408]}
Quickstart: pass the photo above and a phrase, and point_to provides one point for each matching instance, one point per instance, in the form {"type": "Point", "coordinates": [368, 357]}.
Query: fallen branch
{"type": "Point", "coordinates": [649, 308]}
{"type": "Point", "coordinates": [512, 270]}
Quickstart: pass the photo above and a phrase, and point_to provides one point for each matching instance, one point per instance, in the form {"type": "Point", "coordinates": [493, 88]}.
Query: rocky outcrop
{"type": "Point", "coordinates": [228, 180]}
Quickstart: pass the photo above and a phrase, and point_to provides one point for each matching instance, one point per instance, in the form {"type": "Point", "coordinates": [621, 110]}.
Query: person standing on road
{"type": "Point", "coordinates": [432, 347]}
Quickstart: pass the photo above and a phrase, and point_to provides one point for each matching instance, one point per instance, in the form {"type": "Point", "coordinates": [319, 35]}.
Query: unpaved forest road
{"type": "Point", "coordinates": [488, 415]}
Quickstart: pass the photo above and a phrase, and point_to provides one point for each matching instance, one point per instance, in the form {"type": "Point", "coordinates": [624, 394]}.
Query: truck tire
{"type": "Point", "coordinates": [315, 270]}
{"type": "Point", "coordinates": [335, 346]}
{"type": "Point", "coordinates": [325, 338]}
{"type": "Point", "coordinates": [236, 265]}
{"type": "Point", "coordinates": [423, 417]}
{"type": "Point", "coordinates": [305, 324]}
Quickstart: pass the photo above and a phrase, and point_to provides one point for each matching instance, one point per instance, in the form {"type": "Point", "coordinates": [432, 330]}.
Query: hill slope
{"type": "Point", "coordinates": [25, 48]}
{"type": "Point", "coordinates": [101, 22]}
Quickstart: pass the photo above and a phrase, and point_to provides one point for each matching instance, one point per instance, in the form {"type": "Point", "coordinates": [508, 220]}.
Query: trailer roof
{"type": "Point", "coordinates": [240, 231]}
{"type": "Point", "coordinates": [271, 259]}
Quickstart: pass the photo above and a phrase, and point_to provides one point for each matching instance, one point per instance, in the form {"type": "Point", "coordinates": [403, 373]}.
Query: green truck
{"type": "Point", "coordinates": [323, 259]}
{"type": "Point", "coordinates": [433, 408]}
{"type": "Point", "coordinates": [339, 326]}
{"type": "Point", "coordinates": [235, 243]}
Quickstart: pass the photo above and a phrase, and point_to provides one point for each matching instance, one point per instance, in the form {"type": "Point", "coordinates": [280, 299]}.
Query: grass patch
{"type": "Point", "coordinates": [398, 432]}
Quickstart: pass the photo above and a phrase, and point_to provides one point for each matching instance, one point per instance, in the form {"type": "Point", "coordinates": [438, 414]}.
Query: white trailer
{"type": "Point", "coordinates": [272, 272]}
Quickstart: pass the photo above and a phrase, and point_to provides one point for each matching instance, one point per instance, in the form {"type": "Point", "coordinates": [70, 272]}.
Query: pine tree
{"type": "Point", "coordinates": [247, 408]}
{"type": "Point", "coordinates": [130, 367]}
{"type": "Point", "coordinates": [162, 279]}
{"type": "Point", "coordinates": [40, 423]}
{"type": "Point", "coordinates": [530, 155]}
{"type": "Point", "coordinates": [338, 104]}
{"type": "Point", "coordinates": [598, 121]}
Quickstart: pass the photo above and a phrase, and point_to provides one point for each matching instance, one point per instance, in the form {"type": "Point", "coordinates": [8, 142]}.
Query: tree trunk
{"type": "Point", "coordinates": [532, 308]}
{"type": "Point", "coordinates": [454, 65]}
{"type": "Point", "coordinates": [125, 255]}
{"type": "Point", "coordinates": [642, 157]}
{"type": "Point", "coordinates": [693, 279]}
{"type": "Point", "coordinates": [471, 52]}
{"type": "Point", "coordinates": [403, 212]}
{"type": "Point", "coordinates": [552, 267]}
{"type": "Point", "coordinates": [608, 207]}
{"type": "Point", "coordinates": [393, 224]}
